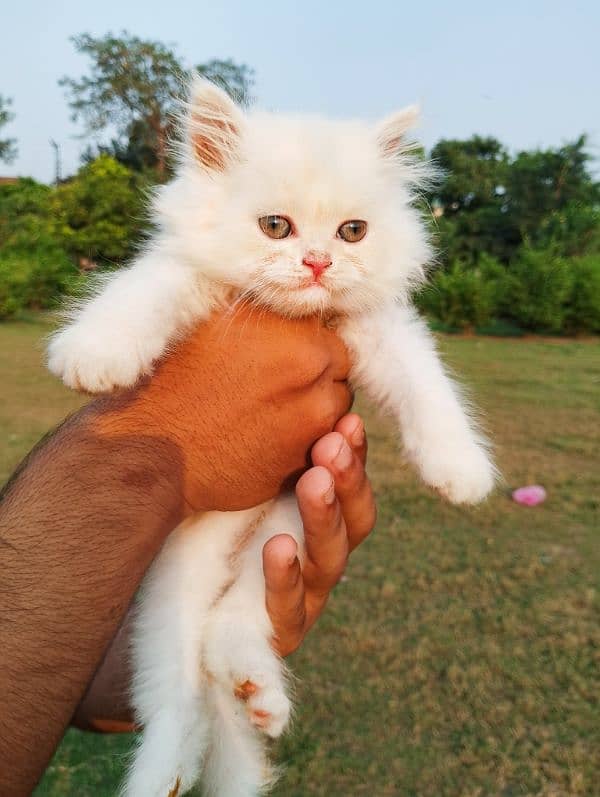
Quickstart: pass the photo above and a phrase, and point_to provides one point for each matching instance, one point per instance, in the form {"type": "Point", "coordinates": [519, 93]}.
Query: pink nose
{"type": "Point", "coordinates": [317, 261]}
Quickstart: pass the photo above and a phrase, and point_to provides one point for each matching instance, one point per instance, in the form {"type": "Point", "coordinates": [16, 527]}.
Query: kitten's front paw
{"type": "Point", "coordinates": [96, 361]}
{"type": "Point", "coordinates": [462, 474]}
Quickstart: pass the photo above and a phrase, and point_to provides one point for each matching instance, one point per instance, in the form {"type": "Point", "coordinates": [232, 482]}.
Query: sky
{"type": "Point", "coordinates": [526, 71]}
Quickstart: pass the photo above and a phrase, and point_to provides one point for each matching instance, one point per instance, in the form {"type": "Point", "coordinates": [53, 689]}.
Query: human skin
{"type": "Point", "coordinates": [85, 515]}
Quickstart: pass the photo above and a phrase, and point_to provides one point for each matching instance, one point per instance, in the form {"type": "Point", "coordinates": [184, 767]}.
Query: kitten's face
{"type": "Point", "coordinates": [300, 214]}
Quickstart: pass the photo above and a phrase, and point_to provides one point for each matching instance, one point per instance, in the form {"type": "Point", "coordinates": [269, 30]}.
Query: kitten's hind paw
{"type": "Point", "coordinates": [267, 705]}
{"type": "Point", "coordinates": [96, 361]}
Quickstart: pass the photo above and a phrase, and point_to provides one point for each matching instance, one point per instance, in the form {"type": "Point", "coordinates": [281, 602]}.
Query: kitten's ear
{"type": "Point", "coordinates": [214, 123]}
{"type": "Point", "coordinates": [392, 132]}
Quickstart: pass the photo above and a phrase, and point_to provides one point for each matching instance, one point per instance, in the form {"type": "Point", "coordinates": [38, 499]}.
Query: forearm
{"type": "Point", "coordinates": [78, 527]}
{"type": "Point", "coordinates": [82, 521]}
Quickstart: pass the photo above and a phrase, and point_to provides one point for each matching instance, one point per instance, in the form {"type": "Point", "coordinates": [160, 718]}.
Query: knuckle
{"type": "Point", "coordinates": [290, 645]}
{"type": "Point", "coordinates": [333, 571]}
{"type": "Point", "coordinates": [363, 526]}
{"type": "Point", "coordinates": [370, 519]}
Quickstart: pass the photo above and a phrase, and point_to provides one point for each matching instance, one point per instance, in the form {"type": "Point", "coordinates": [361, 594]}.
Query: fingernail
{"type": "Point", "coordinates": [329, 494]}
{"type": "Point", "coordinates": [358, 435]}
{"type": "Point", "coordinates": [343, 457]}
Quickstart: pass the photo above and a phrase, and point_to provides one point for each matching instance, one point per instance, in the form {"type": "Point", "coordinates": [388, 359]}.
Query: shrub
{"type": "Point", "coordinates": [536, 290]}
{"type": "Point", "coordinates": [459, 297]}
{"type": "Point", "coordinates": [583, 309]}
{"type": "Point", "coordinates": [573, 231]}
{"type": "Point", "coordinates": [34, 281]}
{"type": "Point", "coordinates": [12, 289]}
{"type": "Point", "coordinates": [101, 212]}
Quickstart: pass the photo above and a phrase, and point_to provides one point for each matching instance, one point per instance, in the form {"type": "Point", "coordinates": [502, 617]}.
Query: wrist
{"type": "Point", "coordinates": [114, 450]}
{"type": "Point", "coordinates": [153, 445]}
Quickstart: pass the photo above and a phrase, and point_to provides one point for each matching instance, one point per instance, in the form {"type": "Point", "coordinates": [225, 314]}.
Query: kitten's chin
{"type": "Point", "coordinates": [314, 299]}
{"type": "Point", "coordinates": [296, 302]}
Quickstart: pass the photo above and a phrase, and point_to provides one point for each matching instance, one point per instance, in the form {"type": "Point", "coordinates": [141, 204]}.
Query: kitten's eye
{"type": "Point", "coordinates": [275, 226]}
{"type": "Point", "coordinates": [352, 231]}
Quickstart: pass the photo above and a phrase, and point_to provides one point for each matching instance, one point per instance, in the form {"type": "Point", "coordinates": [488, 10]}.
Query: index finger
{"type": "Point", "coordinates": [325, 538]}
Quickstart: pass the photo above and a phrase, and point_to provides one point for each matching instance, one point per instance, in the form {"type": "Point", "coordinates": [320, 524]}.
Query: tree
{"type": "Point", "coordinates": [474, 170]}
{"type": "Point", "coordinates": [472, 199]}
{"type": "Point", "coordinates": [100, 213]}
{"type": "Point", "coordinates": [551, 192]}
{"type": "Point", "coordinates": [8, 149]}
{"type": "Point", "coordinates": [34, 269]}
{"type": "Point", "coordinates": [26, 218]}
{"type": "Point", "coordinates": [133, 87]}
{"type": "Point", "coordinates": [491, 202]}
{"type": "Point", "coordinates": [235, 79]}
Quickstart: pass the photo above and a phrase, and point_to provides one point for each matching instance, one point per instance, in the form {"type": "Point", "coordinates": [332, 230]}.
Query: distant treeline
{"type": "Point", "coordinates": [518, 235]}
{"type": "Point", "coordinates": [519, 239]}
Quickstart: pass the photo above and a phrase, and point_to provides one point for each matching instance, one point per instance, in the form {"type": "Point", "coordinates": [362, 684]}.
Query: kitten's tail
{"type": "Point", "coordinates": [236, 763]}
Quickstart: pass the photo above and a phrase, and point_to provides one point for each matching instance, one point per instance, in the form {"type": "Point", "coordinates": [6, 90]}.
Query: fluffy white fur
{"type": "Point", "coordinates": [207, 683]}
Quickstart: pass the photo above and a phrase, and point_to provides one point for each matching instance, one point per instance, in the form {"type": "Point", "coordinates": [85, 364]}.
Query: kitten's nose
{"type": "Point", "coordinates": [317, 261]}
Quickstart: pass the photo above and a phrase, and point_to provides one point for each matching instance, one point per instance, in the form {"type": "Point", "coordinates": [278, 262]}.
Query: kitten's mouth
{"type": "Point", "coordinates": [312, 282]}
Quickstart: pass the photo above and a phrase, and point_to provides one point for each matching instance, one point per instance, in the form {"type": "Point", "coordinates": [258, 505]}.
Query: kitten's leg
{"type": "Point", "coordinates": [238, 644]}
{"type": "Point", "coordinates": [396, 361]}
{"type": "Point", "coordinates": [169, 756]}
{"type": "Point", "coordinates": [169, 683]}
{"type": "Point", "coordinates": [250, 685]}
{"type": "Point", "coordinates": [114, 338]}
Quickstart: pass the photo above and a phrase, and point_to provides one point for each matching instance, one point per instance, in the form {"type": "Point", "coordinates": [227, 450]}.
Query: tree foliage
{"type": "Point", "coordinates": [494, 203]}
{"type": "Point", "coordinates": [100, 214]}
{"type": "Point", "coordinates": [133, 87]}
{"type": "Point", "coordinates": [461, 298]}
{"type": "Point", "coordinates": [541, 183]}
{"type": "Point", "coordinates": [519, 234]}
{"type": "Point", "coordinates": [583, 310]}
{"type": "Point", "coordinates": [49, 234]}
{"type": "Point", "coordinates": [8, 148]}
{"type": "Point", "coordinates": [471, 198]}
{"type": "Point", "coordinates": [35, 270]}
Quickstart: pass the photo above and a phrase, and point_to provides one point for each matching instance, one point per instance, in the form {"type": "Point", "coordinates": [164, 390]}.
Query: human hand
{"type": "Point", "coordinates": [237, 381]}
{"type": "Point", "coordinates": [295, 598]}
{"type": "Point", "coordinates": [338, 512]}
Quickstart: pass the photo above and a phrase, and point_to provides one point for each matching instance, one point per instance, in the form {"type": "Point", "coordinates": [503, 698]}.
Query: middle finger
{"type": "Point", "coordinates": [325, 535]}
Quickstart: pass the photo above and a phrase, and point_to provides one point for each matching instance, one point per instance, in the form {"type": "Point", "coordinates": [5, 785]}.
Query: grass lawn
{"type": "Point", "coordinates": [460, 657]}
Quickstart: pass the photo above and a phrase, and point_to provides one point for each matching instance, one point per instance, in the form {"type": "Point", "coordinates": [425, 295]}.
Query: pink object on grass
{"type": "Point", "coordinates": [532, 495]}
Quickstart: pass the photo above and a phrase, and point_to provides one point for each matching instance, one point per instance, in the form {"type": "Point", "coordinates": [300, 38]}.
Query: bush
{"type": "Point", "coordinates": [45, 231]}
{"type": "Point", "coordinates": [459, 297]}
{"type": "Point", "coordinates": [573, 231]}
{"type": "Point", "coordinates": [34, 281]}
{"type": "Point", "coordinates": [583, 310]}
{"type": "Point", "coordinates": [535, 290]}
{"type": "Point", "coordinates": [538, 291]}
{"type": "Point", "coordinates": [12, 289]}
{"type": "Point", "coordinates": [101, 212]}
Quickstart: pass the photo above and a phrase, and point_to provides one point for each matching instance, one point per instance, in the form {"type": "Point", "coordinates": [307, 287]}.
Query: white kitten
{"type": "Point", "coordinates": [301, 215]}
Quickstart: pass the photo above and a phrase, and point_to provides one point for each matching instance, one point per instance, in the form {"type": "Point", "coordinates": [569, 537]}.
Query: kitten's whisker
{"type": "Point", "coordinates": [231, 313]}
{"type": "Point", "coordinates": [235, 308]}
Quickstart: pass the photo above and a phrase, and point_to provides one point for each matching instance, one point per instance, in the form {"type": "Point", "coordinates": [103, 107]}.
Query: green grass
{"type": "Point", "coordinates": [460, 657]}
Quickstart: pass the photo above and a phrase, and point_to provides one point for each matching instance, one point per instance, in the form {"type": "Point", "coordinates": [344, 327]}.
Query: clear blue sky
{"type": "Point", "coordinates": [526, 71]}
